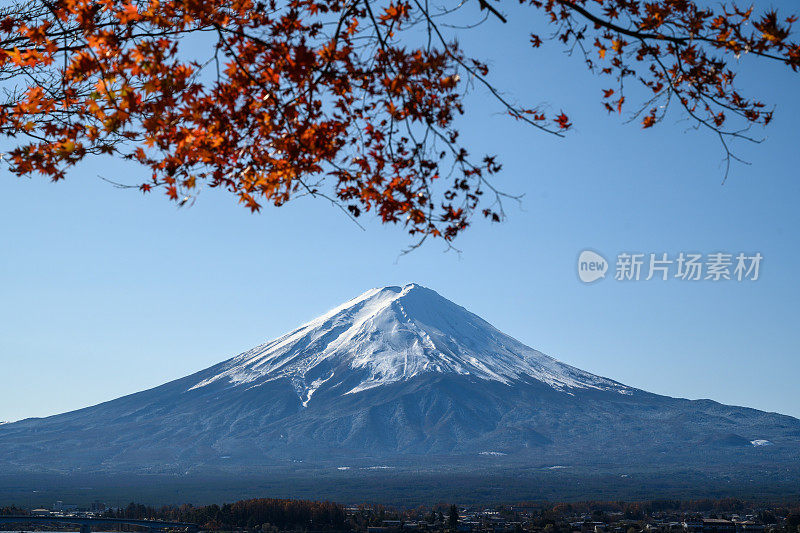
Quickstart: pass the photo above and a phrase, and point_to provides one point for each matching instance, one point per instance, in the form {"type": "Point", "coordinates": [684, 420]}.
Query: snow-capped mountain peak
{"type": "Point", "coordinates": [391, 334]}
{"type": "Point", "coordinates": [402, 378]}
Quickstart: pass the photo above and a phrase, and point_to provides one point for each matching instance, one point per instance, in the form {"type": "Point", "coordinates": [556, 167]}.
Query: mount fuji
{"type": "Point", "coordinates": [396, 377]}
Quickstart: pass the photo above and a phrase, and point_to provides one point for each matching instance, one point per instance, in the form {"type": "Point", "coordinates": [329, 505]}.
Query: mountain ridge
{"type": "Point", "coordinates": [396, 377]}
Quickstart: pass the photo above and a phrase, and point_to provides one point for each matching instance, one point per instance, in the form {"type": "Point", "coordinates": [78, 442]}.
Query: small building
{"type": "Point", "coordinates": [97, 506]}
{"type": "Point", "coordinates": [715, 525]}
{"type": "Point", "coordinates": [747, 526]}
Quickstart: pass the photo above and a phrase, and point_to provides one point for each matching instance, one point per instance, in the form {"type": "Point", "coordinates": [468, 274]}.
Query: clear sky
{"type": "Point", "coordinates": [105, 292]}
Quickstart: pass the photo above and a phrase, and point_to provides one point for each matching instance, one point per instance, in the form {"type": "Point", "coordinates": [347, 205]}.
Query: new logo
{"type": "Point", "coordinates": [591, 266]}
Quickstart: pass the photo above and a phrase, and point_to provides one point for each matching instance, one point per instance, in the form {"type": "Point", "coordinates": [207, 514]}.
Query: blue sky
{"type": "Point", "coordinates": [106, 293]}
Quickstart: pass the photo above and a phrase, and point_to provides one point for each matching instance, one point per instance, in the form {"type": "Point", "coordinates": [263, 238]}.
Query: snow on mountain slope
{"type": "Point", "coordinates": [392, 334]}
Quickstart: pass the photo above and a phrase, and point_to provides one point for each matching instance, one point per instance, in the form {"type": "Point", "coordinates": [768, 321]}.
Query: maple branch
{"type": "Point", "coordinates": [680, 41]}
{"type": "Point", "coordinates": [570, 4]}
{"type": "Point", "coordinates": [364, 109]}
{"type": "Point", "coordinates": [485, 5]}
{"type": "Point", "coordinates": [513, 111]}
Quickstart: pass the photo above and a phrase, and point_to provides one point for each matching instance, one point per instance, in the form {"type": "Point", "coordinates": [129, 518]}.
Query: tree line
{"type": "Point", "coordinates": [261, 513]}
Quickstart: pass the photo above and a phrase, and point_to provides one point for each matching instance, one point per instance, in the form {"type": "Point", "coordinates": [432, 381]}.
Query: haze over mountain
{"type": "Point", "coordinates": [397, 377]}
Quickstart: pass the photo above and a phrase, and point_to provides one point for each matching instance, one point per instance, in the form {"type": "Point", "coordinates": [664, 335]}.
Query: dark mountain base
{"type": "Point", "coordinates": [404, 488]}
{"type": "Point", "coordinates": [433, 422]}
